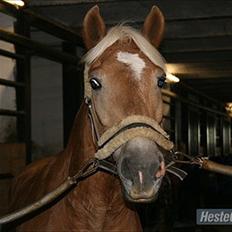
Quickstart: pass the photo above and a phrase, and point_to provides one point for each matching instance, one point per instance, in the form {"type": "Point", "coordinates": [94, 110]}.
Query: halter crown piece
{"type": "Point", "coordinates": [130, 127]}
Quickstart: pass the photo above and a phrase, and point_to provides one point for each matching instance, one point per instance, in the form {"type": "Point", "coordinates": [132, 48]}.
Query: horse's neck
{"type": "Point", "coordinates": [81, 148]}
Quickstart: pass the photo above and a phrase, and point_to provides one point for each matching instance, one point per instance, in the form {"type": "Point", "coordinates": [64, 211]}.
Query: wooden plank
{"type": "Point", "coordinates": [194, 28]}
{"type": "Point", "coordinates": [40, 48]}
{"type": "Point", "coordinates": [204, 74]}
{"type": "Point", "coordinates": [198, 28]}
{"type": "Point", "coordinates": [11, 83]}
{"type": "Point", "coordinates": [219, 43]}
{"type": "Point", "coordinates": [198, 56]}
{"type": "Point", "coordinates": [11, 112]}
{"type": "Point", "coordinates": [65, 2]}
{"type": "Point", "coordinates": [204, 83]}
{"type": "Point", "coordinates": [220, 94]}
{"type": "Point", "coordinates": [10, 54]}
{"type": "Point", "coordinates": [200, 70]}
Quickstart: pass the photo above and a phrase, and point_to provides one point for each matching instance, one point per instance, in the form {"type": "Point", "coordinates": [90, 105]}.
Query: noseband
{"type": "Point", "coordinates": [129, 128]}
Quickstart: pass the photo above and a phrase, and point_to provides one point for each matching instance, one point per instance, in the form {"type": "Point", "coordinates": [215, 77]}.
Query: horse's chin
{"type": "Point", "coordinates": [143, 196]}
{"type": "Point", "coordinates": [140, 200]}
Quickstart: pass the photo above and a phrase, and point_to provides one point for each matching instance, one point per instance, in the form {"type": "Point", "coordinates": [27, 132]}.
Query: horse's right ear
{"type": "Point", "coordinates": [94, 28]}
{"type": "Point", "coordinates": [153, 28]}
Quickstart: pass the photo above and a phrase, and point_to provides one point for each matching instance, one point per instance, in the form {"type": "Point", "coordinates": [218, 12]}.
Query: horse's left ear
{"type": "Point", "coordinates": [94, 28]}
{"type": "Point", "coordinates": [153, 27]}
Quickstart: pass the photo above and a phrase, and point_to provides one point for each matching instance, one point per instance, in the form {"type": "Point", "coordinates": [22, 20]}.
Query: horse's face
{"type": "Point", "coordinates": [124, 83]}
{"type": "Point", "coordinates": [128, 85]}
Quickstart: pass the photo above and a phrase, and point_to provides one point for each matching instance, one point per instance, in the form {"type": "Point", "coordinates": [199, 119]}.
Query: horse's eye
{"type": "Point", "coordinates": [161, 81]}
{"type": "Point", "coordinates": [95, 83]}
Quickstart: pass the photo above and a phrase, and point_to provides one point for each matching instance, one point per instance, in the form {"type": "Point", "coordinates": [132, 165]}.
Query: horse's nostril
{"type": "Point", "coordinates": [161, 170]}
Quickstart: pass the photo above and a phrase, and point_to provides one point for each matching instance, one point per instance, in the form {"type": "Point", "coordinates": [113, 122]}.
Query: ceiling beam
{"type": "Point", "coordinates": [198, 56]}
{"type": "Point", "coordinates": [219, 43]}
{"type": "Point", "coordinates": [200, 70]}
{"type": "Point", "coordinates": [135, 11]}
{"type": "Point", "coordinates": [198, 28]}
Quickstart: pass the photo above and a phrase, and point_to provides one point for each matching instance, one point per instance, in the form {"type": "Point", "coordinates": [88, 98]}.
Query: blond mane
{"type": "Point", "coordinates": [118, 33]}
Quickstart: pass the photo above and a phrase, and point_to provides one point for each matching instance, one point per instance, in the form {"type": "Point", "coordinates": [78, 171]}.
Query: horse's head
{"type": "Point", "coordinates": [122, 74]}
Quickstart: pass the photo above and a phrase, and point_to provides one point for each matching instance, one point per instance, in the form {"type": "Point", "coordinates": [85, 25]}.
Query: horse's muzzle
{"type": "Point", "coordinates": [141, 169]}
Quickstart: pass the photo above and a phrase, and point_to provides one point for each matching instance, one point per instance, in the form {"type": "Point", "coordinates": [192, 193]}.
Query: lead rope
{"type": "Point", "coordinates": [89, 168]}
{"type": "Point", "coordinates": [92, 166]}
{"type": "Point", "coordinates": [201, 161]}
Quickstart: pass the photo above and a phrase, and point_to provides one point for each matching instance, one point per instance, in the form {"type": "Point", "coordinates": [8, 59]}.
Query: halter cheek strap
{"type": "Point", "coordinates": [93, 119]}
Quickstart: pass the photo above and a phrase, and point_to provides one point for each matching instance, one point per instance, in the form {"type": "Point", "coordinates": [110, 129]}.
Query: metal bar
{"type": "Point", "coordinates": [200, 94]}
{"type": "Point", "coordinates": [40, 48]}
{"type": "Point", "coordinates": [10, 54]}
{"type": "Point", "coordinates": [226, 137]}
{"type": "Point", "coordinates": [177, 124]}
{"type": "Point", "coordinates": [211, 134]}
{"type": "Point", "coordinates": [174, 95]}
{"type": "Point", "coordinates": [11, 83]}
{"type": "Point", "coordinates": [11, 112]}
{"type": "Point", "coordinates": [193, 129]}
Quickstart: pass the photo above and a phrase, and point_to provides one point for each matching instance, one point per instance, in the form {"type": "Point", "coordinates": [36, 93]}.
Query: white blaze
{"type": "Point", "coordinates": [140, 177]}
{"type": "Point", "coordinates": [134, 61]}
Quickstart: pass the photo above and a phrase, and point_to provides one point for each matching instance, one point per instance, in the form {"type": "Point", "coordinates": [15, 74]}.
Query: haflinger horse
{"type": "Point", "coordinates": [119, 120]}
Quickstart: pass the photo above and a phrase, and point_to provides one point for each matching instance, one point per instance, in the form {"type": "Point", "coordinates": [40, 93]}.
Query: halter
{"type": "Point", "coordinates": [127, 129]}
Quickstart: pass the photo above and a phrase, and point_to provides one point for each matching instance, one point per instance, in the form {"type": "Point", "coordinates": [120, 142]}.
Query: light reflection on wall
{"type": "Point", "coordinates": [229, 108]}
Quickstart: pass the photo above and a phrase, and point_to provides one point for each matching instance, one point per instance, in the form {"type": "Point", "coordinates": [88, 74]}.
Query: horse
{"type": "Point", "coordinates": [119, 120]}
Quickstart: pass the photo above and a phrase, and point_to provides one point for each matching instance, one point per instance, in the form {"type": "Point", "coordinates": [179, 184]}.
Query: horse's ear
{"type": "Point", "coordinates": [153, 27]}
{"type": "Point", "coordinates": [94, 28]}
